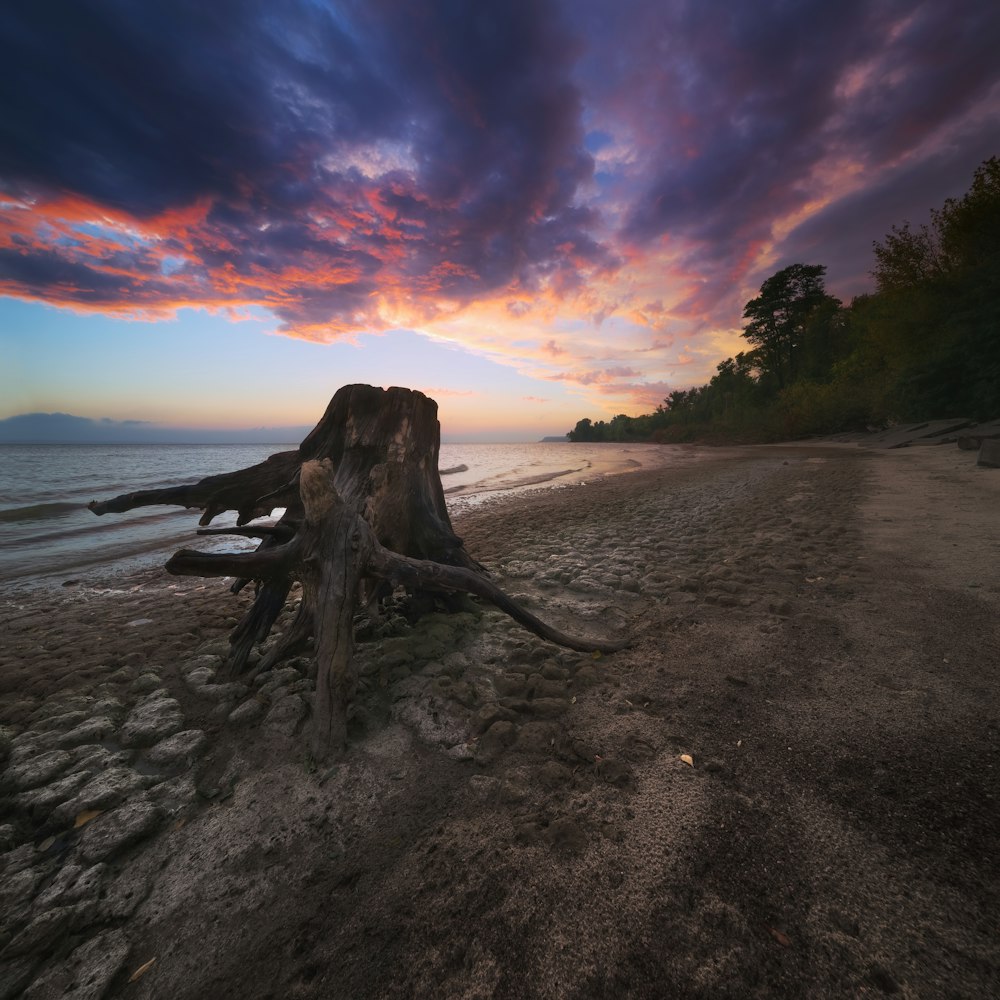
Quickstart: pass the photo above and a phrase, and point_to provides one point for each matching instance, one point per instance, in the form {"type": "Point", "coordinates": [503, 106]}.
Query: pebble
{"type": "Point", "coordinates": [199, 678]}
{"type": "Point", "coordinates": [510, 684]}
{"type": "Point", "coordinates": [49, 927]}
{"type": "Point", "coordinates": [38, 770]}
{"type": "Point", "coordinates": [17, 860]}
{"type": "Point", "coordinates": [87, 973]}
{"type": "Point", "coordinates": [144, 684]}
{"type": "Point", "coordinates": [486, 716]}
{"type": "Point", "coordinates": [113, 832]}
{"type": "Point", "coordinates": [500, 735]}
{"type": "Point", "coordinates": [183, 746]}
{"type": "Point", "coordinates": [222, 709]}
{"type": "Point", "coordinates": [174, 794]}
{"type": "Point", "coordinates": [113, 708]}
{"type": "Point", "coordinates": [104, 791]}
{"type": "Point", "coordinates": [153, 718]}
{"type": "Point", "coordinates": [251, 710]}
{"type": "Point", "coordinates": [73, 884]}
{"type": "Point", "coordinates": [222, 692]}
{"type": "Point", "coordinates": [91, 731]}
{"type": "Point", "coordinates": [276, 678]}
{"type": "Point", "coordinates": [483, 786]}
{"type": "Point", "coordinates": [78, 703]}
{"type": "Point", "coordinates": [41, 801]}
{"type": "Point", "coordinates": [65, 721]}
{"type": "Point", "coordinates": [217, 649]}
{"type": "Point", "coordinates": [8, 837]}
{"type": "Point", "coordinates": [91, 758]}
{"type": "Point", "coordinates": [286, 714]}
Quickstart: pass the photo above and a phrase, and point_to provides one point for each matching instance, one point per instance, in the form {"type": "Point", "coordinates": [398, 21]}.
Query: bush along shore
{"type": "Point", "coordinates": [925, 342]}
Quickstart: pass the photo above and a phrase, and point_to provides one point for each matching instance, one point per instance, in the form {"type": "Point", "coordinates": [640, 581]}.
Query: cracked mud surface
{"type": "Point", "coordinates": [787, 787]}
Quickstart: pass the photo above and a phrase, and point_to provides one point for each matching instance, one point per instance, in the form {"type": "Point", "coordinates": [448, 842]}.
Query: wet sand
{"type": "Point", "coordinates": [787, 787]}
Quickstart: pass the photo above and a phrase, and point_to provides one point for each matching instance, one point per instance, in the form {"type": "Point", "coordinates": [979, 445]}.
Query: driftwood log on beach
{"type": "Point", "coordinates": [364, 514]}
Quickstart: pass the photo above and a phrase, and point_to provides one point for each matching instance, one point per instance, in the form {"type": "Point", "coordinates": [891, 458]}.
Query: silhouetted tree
{"type": "Point", "coordinates": [778, 318]}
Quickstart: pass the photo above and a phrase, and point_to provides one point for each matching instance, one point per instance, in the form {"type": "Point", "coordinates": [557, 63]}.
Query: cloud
{"type": "Point", "coordinates": [605, 376]}
{"type": "Point", "coordinates": [744, 120]}
{"type": "Point", "coordinates": [65, 428]}
{"type": "Point", "coordinates": [342, 164]}
{"type": "Point", "coordinates": [578, 186]}
{"type": "Point", "coordinates": [436, 392]}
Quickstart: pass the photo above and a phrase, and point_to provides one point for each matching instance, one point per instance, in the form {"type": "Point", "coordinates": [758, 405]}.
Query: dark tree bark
{"type": "Point", "coordinates": [365, 513]}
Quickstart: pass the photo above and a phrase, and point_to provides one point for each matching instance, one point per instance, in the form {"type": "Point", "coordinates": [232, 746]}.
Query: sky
{"type": "Point", "coordinates": [214, 214]}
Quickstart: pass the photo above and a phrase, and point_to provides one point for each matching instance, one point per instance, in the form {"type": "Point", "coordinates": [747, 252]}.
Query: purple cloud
{"type": "Point", "coordinates": [634, 166]}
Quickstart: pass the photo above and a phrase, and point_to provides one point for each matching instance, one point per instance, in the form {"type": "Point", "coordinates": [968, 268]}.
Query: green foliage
{"type": "Point", "coordinates": [926, 343]}
{"type": "Point", "coordinates": [940, 288]}
{"type": "Point", "coordinates": [783, 320]}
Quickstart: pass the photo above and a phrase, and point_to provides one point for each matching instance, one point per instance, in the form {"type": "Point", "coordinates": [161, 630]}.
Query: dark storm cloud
{"type": "Point", "coordinates": [144, 106]}
{"type": "Point", "coordinates": [939, 61]}
{"type": "Point", "coordinates": [323, 160]}
{"type": "Point", "coordinates": [268, 112]}
{"type": "Point", "coordinates": [738, 115]}
{"type": "Point", "coordinates": [744, 96]}
{"type": "Point", "coordinates": [841, 235]}
{"type": "Point", "coordinates": [126, 280]}
{"type": "Point", "coordinates": [750, 97]}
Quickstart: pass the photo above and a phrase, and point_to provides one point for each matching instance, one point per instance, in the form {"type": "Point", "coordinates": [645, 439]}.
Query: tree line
{"type": "Point", "coordinates": [925, 343]}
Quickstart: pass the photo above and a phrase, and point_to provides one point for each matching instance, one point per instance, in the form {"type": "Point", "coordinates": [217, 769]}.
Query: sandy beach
{"type": "Point", "coordinates": [788, 786]}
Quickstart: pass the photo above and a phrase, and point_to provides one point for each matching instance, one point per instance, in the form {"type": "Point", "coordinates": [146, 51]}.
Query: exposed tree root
{"type": "Point", "coordinates": [365, 513]}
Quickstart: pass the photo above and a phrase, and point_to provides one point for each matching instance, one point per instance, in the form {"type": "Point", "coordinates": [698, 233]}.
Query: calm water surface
{"type": "Point", "coordinates": [48, 535]}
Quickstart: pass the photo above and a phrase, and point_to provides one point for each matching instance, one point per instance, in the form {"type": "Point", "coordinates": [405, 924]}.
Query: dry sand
{"type": "Point", "coordinates": [788, 787]}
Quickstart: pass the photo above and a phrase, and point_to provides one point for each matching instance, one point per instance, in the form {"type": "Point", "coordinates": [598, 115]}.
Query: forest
{"type": "Point", "coordinates": [924, 344]}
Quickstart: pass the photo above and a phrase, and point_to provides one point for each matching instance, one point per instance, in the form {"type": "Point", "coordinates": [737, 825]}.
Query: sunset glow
{"type": "Point", "coordinates": [216, 215]}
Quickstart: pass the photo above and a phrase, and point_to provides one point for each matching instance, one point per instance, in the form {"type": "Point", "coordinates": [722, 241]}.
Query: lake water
{"type": "Point", "coordinates": [48, 535]}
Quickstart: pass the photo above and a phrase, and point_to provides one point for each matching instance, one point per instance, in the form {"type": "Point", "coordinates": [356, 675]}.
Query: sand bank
{"type": "Point", "coordinates": [786, 787]}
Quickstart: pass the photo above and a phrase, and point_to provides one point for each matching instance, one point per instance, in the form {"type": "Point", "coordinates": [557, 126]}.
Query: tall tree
{"type": "Point", "coordinates": [939, 296]}
{"type": "Point", "coordinates": [779, 315]}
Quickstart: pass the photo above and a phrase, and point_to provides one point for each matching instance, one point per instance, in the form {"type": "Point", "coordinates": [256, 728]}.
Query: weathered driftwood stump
{"type": "Point", "coordinates": [364, 514]}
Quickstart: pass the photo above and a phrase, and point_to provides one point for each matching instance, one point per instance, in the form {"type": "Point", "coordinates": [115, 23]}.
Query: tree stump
{"type": "Point", "coordinates": [364, 514]}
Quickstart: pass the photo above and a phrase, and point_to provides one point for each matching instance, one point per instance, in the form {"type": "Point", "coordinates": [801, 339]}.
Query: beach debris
{"type": "Point", "coordinates": [686, 758]}
{"type": "Point", "coordinates": [364, 516]}
{"type": "Point", "coordinates": [142, 970]}
{"type": "Point", "coordinates": [83, 818]}
{"type": "Point", "coordinates": [780, 936]}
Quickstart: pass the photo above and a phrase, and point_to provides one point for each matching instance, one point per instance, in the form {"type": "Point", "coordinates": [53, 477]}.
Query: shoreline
{"type": "Point", "coordinates": [68, 551]}
{"type": "Point", "coordinates": [813, 630]}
